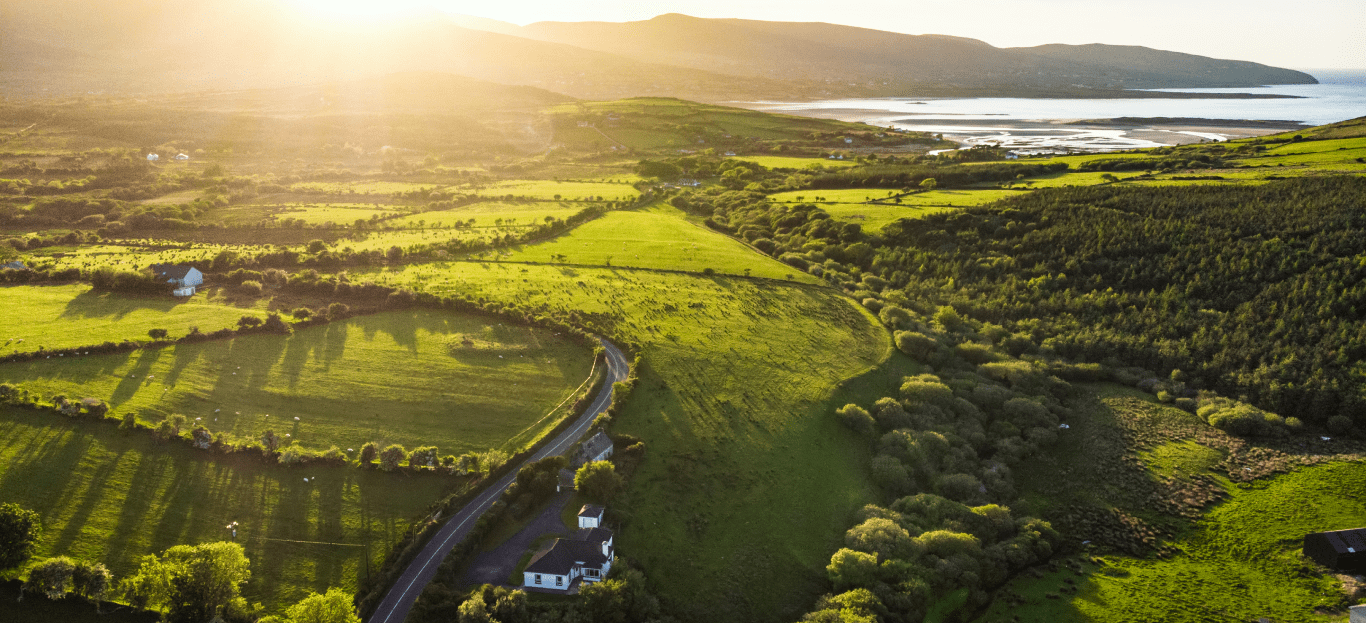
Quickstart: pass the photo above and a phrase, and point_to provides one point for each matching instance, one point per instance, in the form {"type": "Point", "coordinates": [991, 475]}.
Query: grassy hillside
{"type": "Point", "coordinates": [66, 316]}
{"type": "Point", "coordinates": [113, 497]}
{"type": "Point", "coordinates": [397, 377]}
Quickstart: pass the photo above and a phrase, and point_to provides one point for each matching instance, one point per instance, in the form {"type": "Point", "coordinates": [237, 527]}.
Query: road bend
{"type": "Point", "coordinates": [402, 596]}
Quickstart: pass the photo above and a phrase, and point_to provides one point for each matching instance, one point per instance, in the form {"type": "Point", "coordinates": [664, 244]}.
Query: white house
{"type": "Point", "coordinates": [182, 278]}
{"type": "Point", "coordinates": [587, 556]}
{"type": "Point", "coordinates": [590, 516]}
{"type": "Point", "coordinates": [848, 141]}
{"type": "Point", "coordinates": [15, 265]}
{"type": "Point", "coordinates": [1010, 155]}
{"type": "Point", "coordinates": [181, 157]}
{"type": "Point", "coordinates": [596, 448]}
{"type": "Point", "coordinates": [153, 157]}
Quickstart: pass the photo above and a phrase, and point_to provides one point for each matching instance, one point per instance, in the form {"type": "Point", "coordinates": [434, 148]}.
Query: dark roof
{"type": "Point", "coordinates": [595, 445]}
{"type": "Point", "coordinates": [171, 271]}
{"type": "Point", "coordinates": [595, 535]}
{"type": "Point", "coordinates": [564, 554]}
{"type": "Point", "coordinates": [566, 478]}
{"type": "Point", "coordinates": [591, 510]}
{"type": "Point", "coordinates": [1346, 541]}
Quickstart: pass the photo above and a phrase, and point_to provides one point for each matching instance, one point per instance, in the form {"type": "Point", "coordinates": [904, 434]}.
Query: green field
{"type": "Point", "coordinates": [395, 377]}
{"type": "Point", "coordinates": [749, 483]}
{"type": "Point", "coordinates": [873, 217]}
{"type": "Point", "coordinates": [361, 187]}
{"type": "Point", "coordinates": [1239, 561]}
{"type": "Point", "coordinates": [113, 497]}
{"type": "Point", "coordinates": [787, 162]}
{"type": "Point", "coordinates": [659, 238]}
{"type": "Point", "coordinates": [487, 213]}
{"type": "Point", "coordinates": [553, 190]}
{"type": "Point", "coordinates": [314, 214]}
{"type": "Point", "coordinates": [405, 238]}
{"type": "Point", "coordinates": [57, 317]}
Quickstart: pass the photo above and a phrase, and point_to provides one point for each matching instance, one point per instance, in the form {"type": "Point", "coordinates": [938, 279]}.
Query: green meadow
{"type": "Point", "coordinates": [749, 484]}
{"type": "Point", "coordinates": [554, 190]}
{"type": "Point", "coordinates": [873, 217]}
{"type": "Point", "coordinates": [788, 162]}
{"type": "Point", "coordinates": [67, 316]}
{"type": "Point", "coordinates": [114, 497]}
{"type": "Point", "coordinates": [397, 377]}
{"type": "Point", "coordinates": [659, 237]}
{"type": "Point", "coordinates": [487, 213]}
{"type": "Point", "coordinates": [365, 187]}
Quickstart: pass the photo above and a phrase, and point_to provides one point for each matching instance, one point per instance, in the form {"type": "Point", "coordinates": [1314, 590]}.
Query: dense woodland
{"type": "Point", "coordinates": [1253, 291]}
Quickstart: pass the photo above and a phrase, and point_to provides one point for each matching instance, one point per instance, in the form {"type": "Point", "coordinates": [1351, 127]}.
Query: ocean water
{"type": "Point", "coordinates": [1027, 124]}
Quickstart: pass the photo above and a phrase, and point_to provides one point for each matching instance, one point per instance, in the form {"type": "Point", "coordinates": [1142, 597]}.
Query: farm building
{"type": "Point", "coordinates": [597, 448]}
{"type": "Point", "coordinates": [1340, 550]}
{"type": "Point", "coordinates": [181, 157]}
{"type": "Point", "coordinates": [153, 157]}
{"type": "Point", "coordinates": [181, 277]}
{"type": "Point", "coordinates": [586, 556]}
{"type": "Point", "coordinates": [15, 265]}
{"type": "Point", "coordinates": [565, 482]}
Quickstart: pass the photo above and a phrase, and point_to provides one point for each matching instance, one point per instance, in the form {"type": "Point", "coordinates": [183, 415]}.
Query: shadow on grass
{"type": "Point", "coordinates": [95, 304]}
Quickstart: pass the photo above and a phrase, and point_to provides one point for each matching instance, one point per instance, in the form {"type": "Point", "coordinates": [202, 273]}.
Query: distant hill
{"type": "Point", "coordinates": [844, 54]}
{"type": "Point", "coordinates": [64, 47]}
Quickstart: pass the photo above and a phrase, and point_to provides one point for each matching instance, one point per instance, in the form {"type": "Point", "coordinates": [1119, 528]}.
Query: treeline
{"type": "Point", "coordinates": [1252, 291]}
{"type": "Point", "coordinates": [948, 176]}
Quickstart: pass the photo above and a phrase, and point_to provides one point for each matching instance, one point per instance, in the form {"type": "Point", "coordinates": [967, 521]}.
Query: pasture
{"type": "Point", "coordinates": [749, 482]}
{"type": "Point", "coordinates": [495, 213]}
{"type": "Point", "coordinates": [556, 190]}
{"type": "Point", "coordinates": [397, 377]}
{"type": "Point", "coordinates": [361, 187]}
{"type": "Point", "coordinates": [788, 162]}
{"type": "Point", "coordinates": [67, 316]}
{"type": "Point", "coordinates": [873, 217]}
{"type": "Point", "coordinates": [659, 237]}
{"type": "Point", "coordinates": [114, 497]}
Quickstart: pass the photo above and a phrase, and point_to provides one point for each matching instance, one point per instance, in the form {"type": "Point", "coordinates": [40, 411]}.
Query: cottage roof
{"type": "Point", "coordinates": [1346, 541]}
{"type": "Point", "coordinates": [592, 510]}
{"type": "Point", "coordinates": [566, 478]}
{"type": "Point", "coordinates": [593, 535]}
{"type": "Point", "coordinates": [171, 271]}
{"type": "Point", "coordinates": [564, 554]}
{"type": "Point", "coordinates": [595, 445]}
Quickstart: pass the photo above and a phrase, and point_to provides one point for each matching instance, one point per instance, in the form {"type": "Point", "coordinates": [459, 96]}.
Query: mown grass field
{"type": "Point", "coordinates": [553, 190]}
{"type": "Point", "coordinates": [658, 237]}
{"type": "Point", "coordinates": [396, 377]}
{"type": "Point", "coordinates": [749, 483]}
{"type": "Point", "coordinates": [361, 187]}
{"type": "Point", "coordinates": [487, 213]}
{"type": "Point", "coordinates": [787, 162]}
{"type": "Point", "coordinates": [113, 497]}
{"type": "Point", "coordinates": [873, 217]}
{"type": "Point", "coordinates": [1240, 561]}
{"type": "Point", "coordinates": [67, 316]}
{"type": "Point", "coordinates": [404, 238]}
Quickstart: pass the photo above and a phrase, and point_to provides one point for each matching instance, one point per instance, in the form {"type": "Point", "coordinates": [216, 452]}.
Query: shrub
{"type": "Point", "coordinates": [917, 345]}
{"type": "Point", "coordinates": [250, 287]}
{"type": "Point", "coordinates": [19, 532]}
{"type": "Point", "coordinates": [598, 481]}
{"type": "Point", "coordinates": [52, 577]}
{"type": "Point", "coordinates": [129, 421]}
{"type": "Point", "coordinates": [391, 456]}
{"type": "Point", "coordinates": [422, 457]}
{"type": "Point", "coordinates": [1339, 424]}
{"type": "Point", "coordinates": [857, 419]}
{"type": "Point", "coordinates": [292, 455]}
{"type": "Point", "coordinates": [368, 452]}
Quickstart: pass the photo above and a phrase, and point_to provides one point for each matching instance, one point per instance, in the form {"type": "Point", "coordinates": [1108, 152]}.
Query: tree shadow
{"type": "Point", "coordinates": [93, 304]}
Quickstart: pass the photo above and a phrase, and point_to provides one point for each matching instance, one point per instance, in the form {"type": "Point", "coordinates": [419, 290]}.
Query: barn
{"type": "Point", "coordinates": [1340, 550]}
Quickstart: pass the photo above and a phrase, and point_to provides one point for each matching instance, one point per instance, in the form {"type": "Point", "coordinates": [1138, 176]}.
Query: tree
{"type": "Point", "coordinates": [851, 569]}
{"type": "Point", "coordinates": [270, 442]}
{"type": "Point", "coordinates": [422, 457]}
{"type": "Point", "coordinates": [194, 581]}
{"type": "Point", "coordinates": [19, 532]}
{"type": "Point", "coordinates": [331, 607]}
{"type": "Point", "coordinates": [156, 334]}
{"type": "Point", "coordinates": [598, 480]}
{"type": "Point", "coordinates": [316, 246]}
{"type": "Point", "coordinates": [928, 183]}
{"type": "Point", "coordinates": [91, 580]}
{"type": "Point", "coordinates": [390, 457]}
{"type": "Point", "coordinates": [52, 577]}
{"type": "Point", "coordinates": [368, 452]}
{"type": "Point", "coordinates": [857, 419]}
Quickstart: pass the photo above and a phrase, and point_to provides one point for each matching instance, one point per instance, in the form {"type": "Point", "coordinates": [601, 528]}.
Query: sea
{"type": "Point", "coordinates": [1040, 124]}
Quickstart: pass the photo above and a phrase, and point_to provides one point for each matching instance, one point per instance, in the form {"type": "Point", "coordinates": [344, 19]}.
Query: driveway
{"type": "Point", "coordinates": [493, 567]}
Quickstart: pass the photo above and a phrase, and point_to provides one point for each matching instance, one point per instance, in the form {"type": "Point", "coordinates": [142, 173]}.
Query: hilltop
{"type": "Point", "coordinates": [152, 47]}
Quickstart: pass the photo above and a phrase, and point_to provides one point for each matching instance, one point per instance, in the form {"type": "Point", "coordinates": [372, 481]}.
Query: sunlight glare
{"type": "Point", "coordinates": [358, 10]}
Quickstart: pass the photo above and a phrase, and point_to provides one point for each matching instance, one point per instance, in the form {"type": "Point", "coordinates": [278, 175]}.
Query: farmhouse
{"type": "Point", "coordinates": [586, 556]}
{"type": "Point", "coordinates": [182, 277]}
{"type": "Point", "coordinates": [181, 157]}
{"type": "Point", "coordinates": [153, 157]}
{"type": "Point", "coordinates": [1341, 550]}
{"type": "Point", "coordinates": [15, 265]}
{"type": "Point", "coordinates": [597, 448]}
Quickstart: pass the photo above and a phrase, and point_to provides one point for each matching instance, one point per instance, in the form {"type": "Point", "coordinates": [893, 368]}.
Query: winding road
{"type": "Point", "coordinates": [396, 604]}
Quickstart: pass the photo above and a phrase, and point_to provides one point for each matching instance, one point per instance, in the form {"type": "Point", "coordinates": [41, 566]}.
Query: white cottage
{"type": "Point", "coordinates": [182, 278]}
{"type": "Point", "coordinates": [153, 157]}
{"type": "Point", "coordinates": [587, 556]}
{"type": "Point", "coordinates": [598, 448]}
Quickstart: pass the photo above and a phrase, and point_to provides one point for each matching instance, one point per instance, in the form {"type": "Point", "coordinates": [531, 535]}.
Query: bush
{"type": "Point", "coordinates": [368, 452]}
{"type": "Point", "coordinates": [52, 577]}
{"type": "Point", "coordinates": [857, 419]}
{"type": "Point", "coordinates": [598, 481]}
{"type": "Point", "coordinates": [917, 345]}
{"type": "Point", "coordinates": [250, 288]}
{"type": "Point", "coordinates": [1339, 424]}
{"type": "Point", "coordinates": [391, 456]}
{"type": "Point", "coordinates": [19, 532]}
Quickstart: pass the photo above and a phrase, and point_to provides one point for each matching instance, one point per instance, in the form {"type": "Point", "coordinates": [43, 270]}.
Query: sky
{"type": "Point", "coordinates": [1306, 34]}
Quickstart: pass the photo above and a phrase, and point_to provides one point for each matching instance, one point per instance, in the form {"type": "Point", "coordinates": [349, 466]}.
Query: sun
{"type": "Point", "coordinates": [358, 10]}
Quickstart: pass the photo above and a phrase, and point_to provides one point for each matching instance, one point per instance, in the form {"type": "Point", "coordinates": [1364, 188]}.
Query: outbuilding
{"type": "Point", "coordinates": [181, 277]}
{"type": "Point", "coordinates": [1340, 550]}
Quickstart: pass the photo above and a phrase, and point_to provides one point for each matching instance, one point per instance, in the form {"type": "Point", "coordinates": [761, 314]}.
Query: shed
{"type": "Point", "coordinates": [181, 157]}
{"type": "Point", "coordinates": [1340, 550]}
{"type": "Point", "coordinates": [153, 157]}
{"type": "Point", "coordinates": [590, 516]}
{"type": "Point", "coordinates": [15, 265]}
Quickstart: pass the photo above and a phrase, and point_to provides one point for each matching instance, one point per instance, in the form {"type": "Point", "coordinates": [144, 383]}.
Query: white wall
{"type": "Point", "coordinates": [547, 581]}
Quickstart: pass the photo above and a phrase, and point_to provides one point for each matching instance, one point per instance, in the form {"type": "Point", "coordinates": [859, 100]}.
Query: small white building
{"type": "Point", "coordinates": [15, 265]}
{"type": "Point", "coordinates": [590, 516]}
{"type": "Point", "coordinates": [181, 277]}
{"type": "Point", "coordinates": [1010, 155]}
{"type": "Point", "coordinates": [587, 556]}
{"type": "Point", "coordinates": [181, 157]}
{"type": "Point", "coordinates": [153, 157]}
{"type": "Point", "coordinates": [848, 141]}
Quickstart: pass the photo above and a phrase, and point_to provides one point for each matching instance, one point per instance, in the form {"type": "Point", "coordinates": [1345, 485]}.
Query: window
{"type": "Point", "coordinates": [538, 578]}
{"type": "Point", "coordinates": [559, 580]}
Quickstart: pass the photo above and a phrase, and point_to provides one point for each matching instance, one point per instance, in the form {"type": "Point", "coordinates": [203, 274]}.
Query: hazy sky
{"type": "Point", "coordinates": [1304, 34]}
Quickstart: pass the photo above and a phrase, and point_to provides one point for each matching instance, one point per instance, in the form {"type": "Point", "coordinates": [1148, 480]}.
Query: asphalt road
{"type": "Point", "coordinates": [395, 607]}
